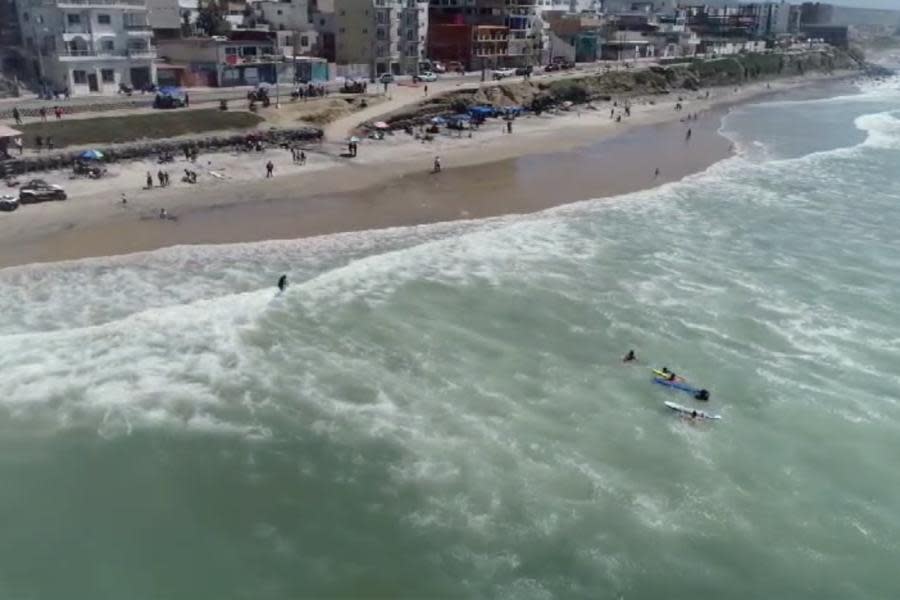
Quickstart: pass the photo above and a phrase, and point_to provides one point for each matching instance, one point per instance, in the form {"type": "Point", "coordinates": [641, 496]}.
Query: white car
{"type": "Point", "coordinates": [503, 73]}
{"type": "Point", "coordinates": [426, 76]}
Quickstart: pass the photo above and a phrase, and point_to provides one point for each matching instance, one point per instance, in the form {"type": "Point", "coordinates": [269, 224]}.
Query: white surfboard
{"type": "Point", "coordinates": [688, 411]}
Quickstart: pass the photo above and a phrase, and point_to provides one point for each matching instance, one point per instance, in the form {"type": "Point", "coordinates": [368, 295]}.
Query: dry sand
{"type": "Point", "coordinates": [548, 160]}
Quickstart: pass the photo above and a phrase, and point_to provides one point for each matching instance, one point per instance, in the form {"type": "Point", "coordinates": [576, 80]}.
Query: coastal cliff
{"type": "Point", "coordinates": [678, 75]}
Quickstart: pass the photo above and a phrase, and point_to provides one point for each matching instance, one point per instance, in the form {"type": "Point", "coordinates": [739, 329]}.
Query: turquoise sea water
{"type": "Point", "coordinates": [442, 411]}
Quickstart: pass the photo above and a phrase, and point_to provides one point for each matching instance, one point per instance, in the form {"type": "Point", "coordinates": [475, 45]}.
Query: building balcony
{"type": "Point", "coordinates": [75, 55]}
{"type": "Point", "coordinates": [81, 4]}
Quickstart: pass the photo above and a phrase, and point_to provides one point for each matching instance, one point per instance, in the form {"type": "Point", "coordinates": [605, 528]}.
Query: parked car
{"type": "Point", "coordinates": [38, 190]}
{"type": "Point", "coordinates": [552, 67]}
{"type": "Point", "coordinates": [503, 73]}
{"type": "Point", "coordinates": [169, 97]}
{"type": "Point", "coordinates": [438, 67]}
{"type": "Point", "coordinates": [527, 70]}
{"type": "Point", "coordinates": [427, 77]}
{"type": "Point", "coordinates": [386, 78]}
{"type": "Point", "coordinates": [8, 203]}
{"type": "Point", "coordinates": [454, 66]}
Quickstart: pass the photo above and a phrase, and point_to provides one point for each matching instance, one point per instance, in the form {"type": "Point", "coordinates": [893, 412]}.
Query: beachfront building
{"type": "Point", "coordinates": [483, 34]}
{"type": "Point", "coordinates": [243, 57]}
{"type": "Point", "coordinates": [373, 37]}
{"type": "Point", "coordinates": [88, 46]}
{"type": "Point", "coordinates": [574, 37]}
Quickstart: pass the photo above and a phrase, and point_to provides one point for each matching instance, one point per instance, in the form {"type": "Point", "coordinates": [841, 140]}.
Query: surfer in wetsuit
{"type": "Point", "coordinates": [282, 282]}
{"type": "Point", "coordinates": [630, 356]}
{"type": "Point", "coordinates": [701, 395]}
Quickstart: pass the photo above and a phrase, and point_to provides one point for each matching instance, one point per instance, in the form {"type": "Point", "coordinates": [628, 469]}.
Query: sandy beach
{"type": "Point", "coordinates": [548, 160]}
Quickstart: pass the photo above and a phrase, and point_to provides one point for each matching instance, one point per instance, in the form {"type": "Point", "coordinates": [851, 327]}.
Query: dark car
{"type": "Point", "coordinates": [552, 67]}
{"type": "Point", "coordinates": [8, 204]}
{"type": "Point", "coordinates": [38, 190]}
{"type": "Point", "coordinates": [521, 71]}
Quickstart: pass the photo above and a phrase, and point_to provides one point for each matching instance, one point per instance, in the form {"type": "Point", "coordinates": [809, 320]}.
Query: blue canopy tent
{"type": "Point", "coordinates": [482, 112]}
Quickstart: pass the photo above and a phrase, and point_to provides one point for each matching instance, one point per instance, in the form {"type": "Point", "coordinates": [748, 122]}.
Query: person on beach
{"type": "Point", "coordinates": [437, 164]}
{"type": "Point", "coordinates": [43, 113]}
{"type": "Point", "coordinates": [18, 144]}
{"type": "Point", "coordinates": [612, 113]}
{"type": "Point", "coordinates": [124, 199]}
{"type": "Point", "coordinates": [426, 89]}
{"type": "Point", "coordinates": [269, 169]}
{"type": "Point", "coordinates": [39, 142]}
{"type": "Point", "coordinates": [630, 357]}
{"type": "Point", "coordinates": [302, 158]}
{"type": "Point", "coordinates": [58, 112]}
{"type": "Point", "coordinates": [17, 116]}
{"type": "Point", "coordinates": [49, 143]}
{"type": "Point", "coordinates": [509, 126]}
{"type": "Point", "coordinates": [162, 178]}
{"type": "Point", "coordinates": [163, 214]}
{"type": "Point", "coordinates": [282, 283]}
{"type": "Point", "coordinates": [687, 136]}
{"type": "Point", "coordinates": [656, 172]}
{"type": "Point", "coordinates": [149, 180]}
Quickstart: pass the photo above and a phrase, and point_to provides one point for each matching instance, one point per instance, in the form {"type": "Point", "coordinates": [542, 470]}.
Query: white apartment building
{"type": "Point", "coordinates": [380, 36]}
{"type": "Point", "coordinates": [88, 46]}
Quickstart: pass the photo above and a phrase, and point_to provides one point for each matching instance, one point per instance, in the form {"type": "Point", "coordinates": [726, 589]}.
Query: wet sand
{"type": "Point", "coordinates": [529, 172]}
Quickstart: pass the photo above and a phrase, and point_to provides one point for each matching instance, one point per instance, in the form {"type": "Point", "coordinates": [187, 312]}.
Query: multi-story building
{"type": "Point", "coordinates": [770, 18]}
{"type": "Point", "coordinates": [458, 28]}
{"type": "Point", "coordinates": [245, 57]}
{"type": "Point", "coordinates": [9, 24]}
{"type": "Point", "coordinates": [88, 46]}
{"type": "Point", "coordinates": [379, 36]}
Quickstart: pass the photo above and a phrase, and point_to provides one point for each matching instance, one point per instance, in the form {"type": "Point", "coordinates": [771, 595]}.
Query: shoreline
{"type": "Point", "coordinates": [546, 162]}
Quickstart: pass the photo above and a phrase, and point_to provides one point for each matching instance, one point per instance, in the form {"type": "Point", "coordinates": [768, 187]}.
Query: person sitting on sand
{"type": "Point", "coordinates": [630, 356]}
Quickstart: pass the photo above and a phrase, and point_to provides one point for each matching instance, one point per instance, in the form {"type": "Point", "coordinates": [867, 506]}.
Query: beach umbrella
{"type": "Point", "coordinates": [91, 155]}
{"type": "Point", "coordinates": [354, 140]}
{"type": "Point", "coordinates": [382, 125]}
{"type": "Point", "coordinates": [438, 121]}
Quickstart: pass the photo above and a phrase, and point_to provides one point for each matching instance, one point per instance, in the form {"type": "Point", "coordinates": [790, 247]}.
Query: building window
{"type": "Point", "coordinates": [73, 19]}
{"type": "Point", "coordinates": [322, 22]}
{"type": "Point", "coordinates": [412, 49]}
{"type": "Point", "coordinates": [279, 12]}
{"type": "Point", "coordinates": [25, 16]}
{"type": "Point", "coordinates": [108, 76]}
{"type": "Point", "coordinates": [343, 13]}
{"type": "Point", "coordinates": [342, 30]}
{"type": "Point", "coordinates": [304, 41]}
{"type": "Point", "coordinates": [365, 31]}
{"type": "Point", "coordinates": [231, 51]}
{"type": "Point", "coordinates": [107, 45]}
{"type": "Point", "coordinates": [103, 19]}
{"type": "Point", "coordinates": [79, 77]}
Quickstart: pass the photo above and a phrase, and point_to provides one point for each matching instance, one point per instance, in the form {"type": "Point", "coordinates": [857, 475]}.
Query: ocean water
{"type": "Point", "coordinates": [441, 411]}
